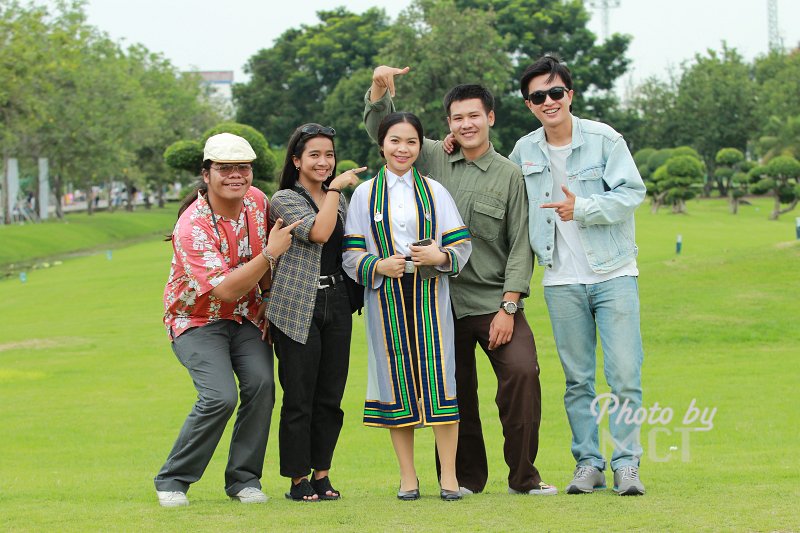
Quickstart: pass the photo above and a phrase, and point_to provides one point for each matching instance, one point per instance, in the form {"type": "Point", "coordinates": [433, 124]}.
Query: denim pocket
{"type": "Point", "coordinates": [589, 181]}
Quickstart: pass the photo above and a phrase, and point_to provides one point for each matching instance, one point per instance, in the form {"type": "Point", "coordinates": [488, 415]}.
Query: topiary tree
{"type": "Point", "coordinates": [676, 180]}
{"type": "Point", "coordinates": [185, 156]}
{"type": "Point", "coordinates": [686, 150]}
{"type": "Point", "coordinates": [264, 165]}
{"type": "Point", "coordinates": [640, 158]}
{"type": "Point", "coordinates": [656, 159]}
{"type": "Point", "coordinates": [729, 176]}
{"type": "Point", "coordinates": [344, 165]}
{"type": "Point", "coordinates": [781, 177]}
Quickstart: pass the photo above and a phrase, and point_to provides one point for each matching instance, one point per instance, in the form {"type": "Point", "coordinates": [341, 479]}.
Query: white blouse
{"type": "Point", "coordinates": [403, 210]}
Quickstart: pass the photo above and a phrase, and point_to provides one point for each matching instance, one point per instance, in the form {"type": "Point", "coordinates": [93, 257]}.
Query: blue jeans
{"type": "Point", "coordinates": [577, 313]}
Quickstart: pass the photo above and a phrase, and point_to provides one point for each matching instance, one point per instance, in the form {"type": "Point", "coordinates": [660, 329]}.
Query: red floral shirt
{"type": "Point", "coordinates": [202, 258]}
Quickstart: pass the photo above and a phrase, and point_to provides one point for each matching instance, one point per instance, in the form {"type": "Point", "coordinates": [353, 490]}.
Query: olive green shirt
{"type": "Point", "coordinates": [490, 195]}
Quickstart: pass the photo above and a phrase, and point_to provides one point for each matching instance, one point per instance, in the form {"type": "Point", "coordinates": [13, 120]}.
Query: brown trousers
{"type": "Point", "coordinates": [519, 401]}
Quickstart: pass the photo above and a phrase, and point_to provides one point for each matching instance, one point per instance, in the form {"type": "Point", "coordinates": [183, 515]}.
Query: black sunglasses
{"type": "Point", "coordinates": [313, 129]}
{"type": "Point", "coordinates": [555, 93]}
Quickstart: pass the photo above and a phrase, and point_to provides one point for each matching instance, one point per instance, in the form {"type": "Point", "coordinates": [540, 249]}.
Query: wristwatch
{"type": "Point", "coordinates": [509, 307]}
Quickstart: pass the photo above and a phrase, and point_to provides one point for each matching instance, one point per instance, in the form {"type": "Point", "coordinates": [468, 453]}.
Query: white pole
{"type": "Point", "coordinates": [13, 187]}
{"type": "Point", "coordinates": [44, 189]}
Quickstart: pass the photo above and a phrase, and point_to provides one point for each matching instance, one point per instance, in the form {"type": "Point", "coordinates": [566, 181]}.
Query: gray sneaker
{"type": "Point", "coordinates": [627, 482]}
{"type": "Point", "coordinates": [586, 479]}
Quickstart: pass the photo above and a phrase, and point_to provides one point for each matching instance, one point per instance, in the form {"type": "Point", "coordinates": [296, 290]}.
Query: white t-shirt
{"type": "Point", "coordinates": [570, 266]}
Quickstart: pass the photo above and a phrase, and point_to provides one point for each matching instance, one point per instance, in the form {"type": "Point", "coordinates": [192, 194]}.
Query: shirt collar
{"type": "Point", "coordinates": [392, 179]}
{"type": "Point", "coordinates": [482, 162]}
{"type": "Point", "coordinates": [204, 209]}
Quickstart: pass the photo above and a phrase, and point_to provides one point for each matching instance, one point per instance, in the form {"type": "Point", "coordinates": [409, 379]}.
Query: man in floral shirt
{"type": "Point", "coordinates": [214, 314]}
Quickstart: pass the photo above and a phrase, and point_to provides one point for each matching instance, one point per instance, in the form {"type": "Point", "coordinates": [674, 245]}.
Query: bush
{"type": "Point", "coordinates": [344, 165]}
{"type": "Point", "coordinates": [185, 155]}
{"type": "Point", "coordinates": [264, 165]}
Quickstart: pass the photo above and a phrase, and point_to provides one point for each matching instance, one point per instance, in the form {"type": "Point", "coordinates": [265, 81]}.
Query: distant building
{"type": "Point", "coordinates": [220, 85]}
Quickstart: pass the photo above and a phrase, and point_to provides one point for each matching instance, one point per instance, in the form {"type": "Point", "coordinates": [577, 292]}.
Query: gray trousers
{"type": "Point", "coordinates": [213, 354]}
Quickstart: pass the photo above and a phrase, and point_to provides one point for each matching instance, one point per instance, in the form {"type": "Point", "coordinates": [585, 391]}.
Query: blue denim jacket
{"type": "Point", "coordinates": [608, 189]}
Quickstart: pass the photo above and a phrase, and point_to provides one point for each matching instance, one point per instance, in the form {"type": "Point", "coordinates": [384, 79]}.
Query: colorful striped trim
{"type": "Point", "coordinates": [356, 243]}
{"type": "Point", "coordinates": [426, 211]}
{"type": "Point", "coordinates": [455, 236]}
{"type": "Point", "coordinates": [454, 266]}
{"type": "Point", "coordinates": [366, 270]}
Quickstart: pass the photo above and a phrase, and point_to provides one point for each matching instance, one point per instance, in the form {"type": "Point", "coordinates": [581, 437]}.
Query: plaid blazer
{"type": "Point", "coordinates": [296, 277]}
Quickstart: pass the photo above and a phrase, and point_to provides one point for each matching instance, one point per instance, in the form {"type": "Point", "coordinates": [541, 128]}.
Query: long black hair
{"type": "Point", "coordinates": [396, 118]}
{"type": "Point", "coordinates": [295, 148]}
{"type": "Point", "coordinates": [199, 186]}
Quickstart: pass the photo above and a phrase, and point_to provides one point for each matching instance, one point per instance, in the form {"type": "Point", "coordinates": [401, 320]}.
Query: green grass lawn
{"type": "Point", "coordinates": [92, 399]}
{"type": "Point", "coordinates": [23, 244]}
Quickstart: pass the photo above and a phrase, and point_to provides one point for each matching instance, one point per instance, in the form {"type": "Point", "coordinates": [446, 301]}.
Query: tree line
{"type": "Point", "coordinates": [96, 110]}
{"type": "Point", "coordinates": [716, 101]}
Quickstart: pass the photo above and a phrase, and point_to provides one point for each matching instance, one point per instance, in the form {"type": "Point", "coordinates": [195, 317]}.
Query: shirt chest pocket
{"type": "Point", "coordinates": [590, 181]}
{"type": "Point", "coordinates": [487, 218]}
{"type": "Point", "coordinates": [535, 183]}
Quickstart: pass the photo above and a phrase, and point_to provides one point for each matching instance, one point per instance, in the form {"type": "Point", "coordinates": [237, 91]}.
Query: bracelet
{"type": "Point", "coordinates": [270, 259]}
{"type": "Point", "coordinates": [334, 189]}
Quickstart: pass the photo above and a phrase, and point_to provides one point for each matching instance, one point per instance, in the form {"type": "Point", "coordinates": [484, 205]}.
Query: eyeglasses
{"type": "Point", "coordinates": [313, 129]}
{"type": "Point", "coordinates": [226, 170]}
{"type": "Point", "coordinates": [555, 93]}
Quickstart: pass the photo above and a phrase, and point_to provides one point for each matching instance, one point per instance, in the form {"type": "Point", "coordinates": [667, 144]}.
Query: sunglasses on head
{"type": "Point", "coordinates": [555, 93]}
{"type": "Point", "coordinates": [313, 129]}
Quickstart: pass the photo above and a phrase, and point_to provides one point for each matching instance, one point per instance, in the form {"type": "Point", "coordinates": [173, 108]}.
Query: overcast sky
{"type": "Point", "coordinates": [216, 35]}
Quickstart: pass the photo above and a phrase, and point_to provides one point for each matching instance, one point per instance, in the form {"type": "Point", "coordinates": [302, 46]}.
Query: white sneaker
{"type": "Point", "coordinates": [250, 495]}
{"type": "Point", "coordinates": [465, 491]}
{"type": "Point", "coordinates": [542, 490]}
{"type": "Point", "coordinates": [172, 498]}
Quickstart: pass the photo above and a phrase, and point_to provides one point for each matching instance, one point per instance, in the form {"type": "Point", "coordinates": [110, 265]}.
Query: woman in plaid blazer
{"type": "Point", "coordinates": [309, 311]}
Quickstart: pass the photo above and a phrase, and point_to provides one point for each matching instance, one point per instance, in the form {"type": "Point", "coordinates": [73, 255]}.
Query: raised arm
{"type": "Point", "coordinates": [326, 218]}
{"type": "Point", "coordinates": [383, 80]}
{"type": "Point", "coordinates": [378, 100]}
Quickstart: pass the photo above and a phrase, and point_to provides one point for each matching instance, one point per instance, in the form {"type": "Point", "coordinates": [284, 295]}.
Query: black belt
{"type": "Point", "coordinates": [329, 281]}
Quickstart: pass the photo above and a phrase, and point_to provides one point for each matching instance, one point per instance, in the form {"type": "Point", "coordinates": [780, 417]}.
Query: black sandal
{"type": "Point", "coordinates": [302, 492]}
{"type": "Point", "coordinates": [322, 487]}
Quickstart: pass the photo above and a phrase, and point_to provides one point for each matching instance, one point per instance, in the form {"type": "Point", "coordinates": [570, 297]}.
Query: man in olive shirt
{"type": "Point", "coordinates": [490, 194]}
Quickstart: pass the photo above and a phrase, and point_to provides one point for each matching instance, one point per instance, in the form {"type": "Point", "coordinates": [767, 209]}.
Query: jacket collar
{"type": "Point", "coordinates": [577, 136]}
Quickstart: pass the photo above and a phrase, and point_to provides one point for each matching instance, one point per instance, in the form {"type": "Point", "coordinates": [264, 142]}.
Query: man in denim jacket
{"type": "Point", "coordinates": [583, 188]}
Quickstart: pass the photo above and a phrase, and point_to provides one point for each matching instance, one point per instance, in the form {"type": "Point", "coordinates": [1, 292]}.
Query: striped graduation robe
{"type": "Point", "coordinates": [392, 395]}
